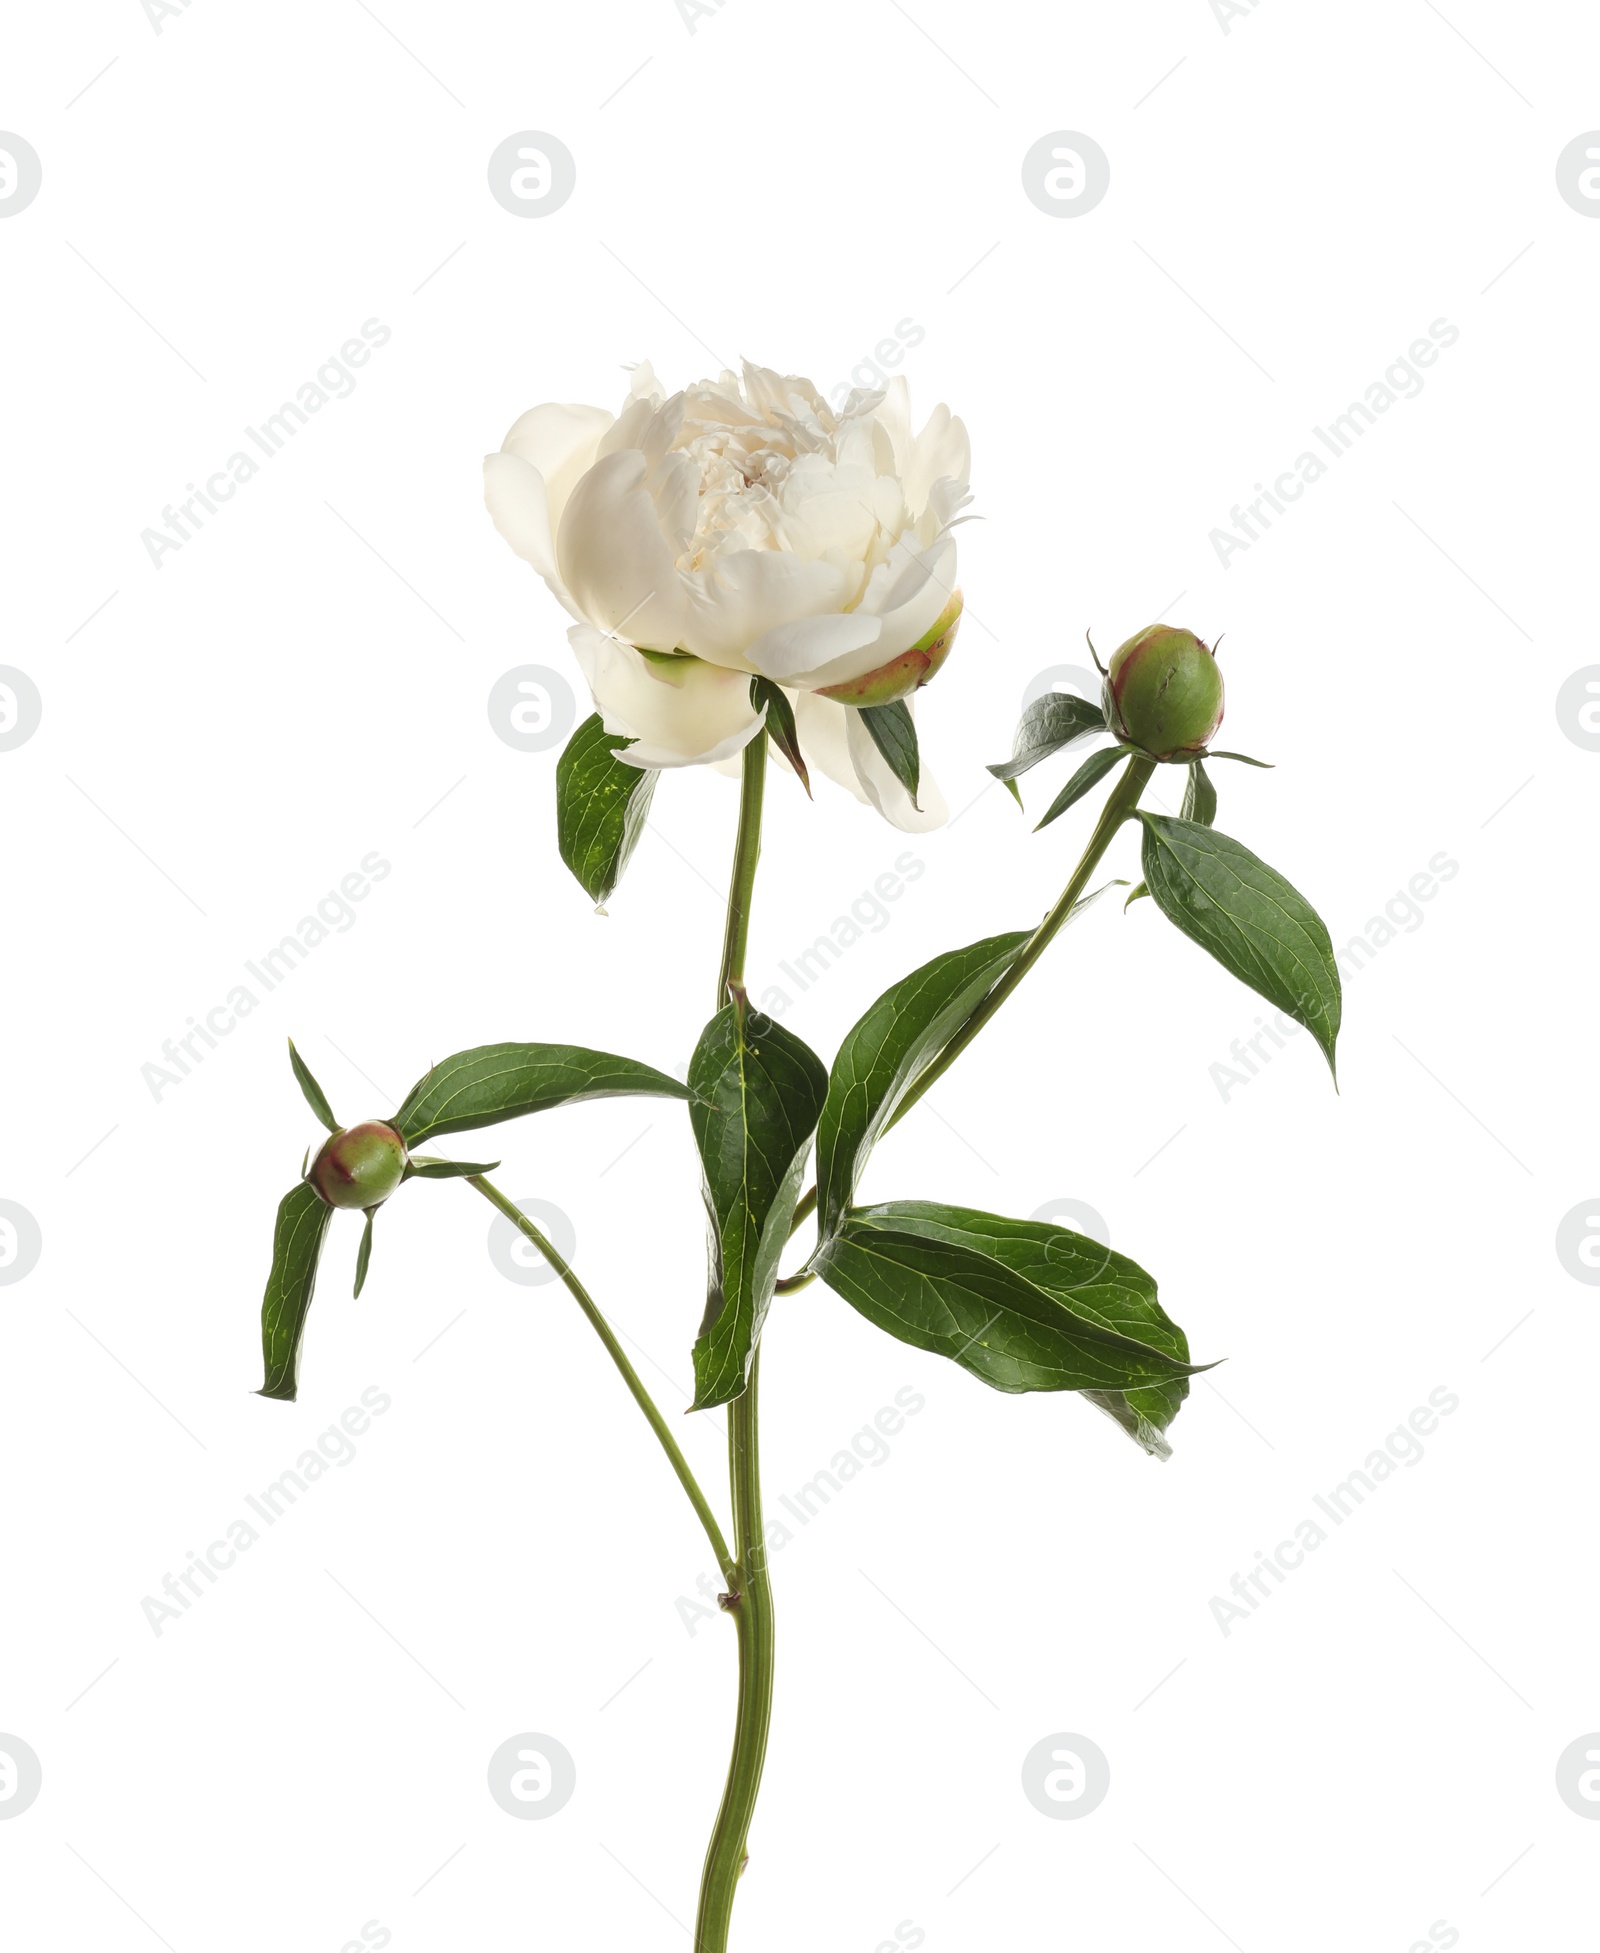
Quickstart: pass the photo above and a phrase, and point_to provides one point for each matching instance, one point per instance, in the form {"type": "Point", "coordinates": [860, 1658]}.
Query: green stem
{"type": "Point", "coordinates": [618, 1355]}
{"type": "Point", "coordinates": [1119, 805]}
{"type": "Point", "coordinates": [750, 1603]}
{"type": "Point", "coordinates": [1118, 808]}
{"type": "Point", "coordinates": [746, 853]}
{"type": "Point", "coordinates": [749, 1599]}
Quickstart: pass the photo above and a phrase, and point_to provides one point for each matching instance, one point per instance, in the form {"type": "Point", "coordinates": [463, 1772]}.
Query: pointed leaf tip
{"type": "Point", "coordinates": [364, 1252]}
{"type": "Point", "coordinates": [1088, 776]}
{"type": "Point", "coordinates": [315, 1097]}
{"type": "Point", "coordinates": [494, 1082]}
{"type": "Point", "coordinates": [781, 727]}
{"type": "Point", "coordinates": [894, 733]}
{"type": "Point", "coordinates": [1050, 723]}
{"type": "Point", "coordinates": [1257, 925]}
{"type": "Point", "coordinates": [429, 1169]}
{"type": "Point", "coordinates": [1022, 1305]}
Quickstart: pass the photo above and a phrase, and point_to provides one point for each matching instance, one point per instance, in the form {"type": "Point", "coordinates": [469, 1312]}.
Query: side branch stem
{"type": "Point", "coordinates": [619, 1356]}
{"type": "Point", "coordinates": [1119, 805]}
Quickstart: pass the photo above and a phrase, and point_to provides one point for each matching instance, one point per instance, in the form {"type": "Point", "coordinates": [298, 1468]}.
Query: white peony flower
{"type": "Point", "coordinates": [742, 527]}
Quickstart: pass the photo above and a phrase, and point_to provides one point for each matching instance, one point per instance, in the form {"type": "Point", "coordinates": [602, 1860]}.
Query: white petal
{"type": "Point", "coordinates": [514, 494]}
{"type": "Point", "coordinates": [561, 441]}
{"type": "Point", "coordinates": [797, 654]}
{"type": "Point", "coordinates": [614, 558]}
{"type": "Point", "coordinates": [942, 451]}
{"type": "Point", "coordinates": [820, 725]}
{"type": "Point", "coordinates": [627, 430]}
{"type": "Point", "coordinates": [913, 589]}
{"type": "Point", "coordinates": [894, 417]}
{"type": "Point", "coordinates": [911, 604]}
{"type": "Point", "coordinates": [741, 595]}
{"type": "Point", "coordinates": [683, 714]}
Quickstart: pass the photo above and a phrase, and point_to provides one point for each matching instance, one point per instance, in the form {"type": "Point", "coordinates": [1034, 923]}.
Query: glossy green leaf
{"type": "Point", "coordinates": [493, 1082]}
{"type": "Point", "coordinates": [428, 1169]}
{"type": "Point", "coordinates": [1248, 917]}
{"type": "Point", "coordinates": [1089, 775]}
{"type": "Point", "coordinates": [1023, 1305]}
{"type": "Point", "coordinates": [1244, 759]}
{"type": "Point", "coordinates": [364, 1252]}
{"type": "Point", "coordinates": [601, 806]}
{"type": "Point", "coordinates": [754, 1103]}
{"type": "Point", "coordinates": [303, 1217]}
{"type": "Point", "coordinates": [894, 733]}
{"type": "Point", "coordinates": [781, 728]}
{"type": "Point", "coordinates": [1139, 889]}
{"type": "Point", "coordinates": [882, 1054]}
{"type": "Point", "coordinates": [1049, 723]}
{"type": "Point", "coordinates": [1199, 795]}
{"type": "Point", "coordinates": [314, 1094]}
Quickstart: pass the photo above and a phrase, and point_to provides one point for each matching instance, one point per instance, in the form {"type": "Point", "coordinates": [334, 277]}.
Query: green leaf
{"type": "Point", "coordinates": [883, 1052]}
{"type": "Point", "coordinates": [364, 1252]}
{"type": "Point", "coordinates": [1244, 758]}
{"type": "Point", "coordinates": [1050, 723]}
{"type": "Point", "coordinates": [1248, 917]}
{"type": "Point", "coordinates": [303, 1217]}
{"type": "Point", "coordinates": [1138, 889]}
{"type": "Point", "coordinates": [428, 1169]}
{"type": "Point", "coordinates": [1144, 1414]}
{"type": "Point", "coordinates": [781, 728]}
{"type": "Point", "coordinates": [1199, 796]}
{"type": "Point", "coordinates": [601, 806]}
{"type": "Point", "coordinates": [315, 1097]}
{"type": "Point", "coordinates": [493, 1082]}
{"type": "Point", "coordinates": [1090, 774]}
{"type": "Point", "coordinates": [1023, 1305]}
{"type": "Point", "coordinates": [895, 736]}
{"type": "Point", "coordinates": [754, 1103]}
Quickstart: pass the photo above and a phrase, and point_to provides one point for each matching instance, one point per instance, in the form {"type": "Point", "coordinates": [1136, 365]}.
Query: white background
{"type": "Point", "coordinates": [305, 682]}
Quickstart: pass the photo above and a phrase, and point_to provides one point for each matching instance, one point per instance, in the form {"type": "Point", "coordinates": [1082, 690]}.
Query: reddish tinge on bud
{"type": "Point", "coordinates": [902, 675]}
{"type": "Point", "coordinates": [1163, 693]}
{"type": "Point", "coordinates": [360, 1167]}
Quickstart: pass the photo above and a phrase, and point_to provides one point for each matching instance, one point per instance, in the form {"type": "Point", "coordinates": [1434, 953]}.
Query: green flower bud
{"type": "Point", "coordinates": [361, 1166]}
{"type": "Point", "coordinates": [1163, 693]}
{"type": "Point", "coordinates": [901, 676]}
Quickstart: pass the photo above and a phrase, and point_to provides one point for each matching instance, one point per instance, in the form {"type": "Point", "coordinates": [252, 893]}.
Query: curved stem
{"type": "Point", "coordinates": [1118, 808]}
{"type": "Point", "coordinates": [1120, 803]}
{"type": "Point", "coordinates": [749, 1598]}
{"type": "Point", "coordinates": [615, 1351]}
